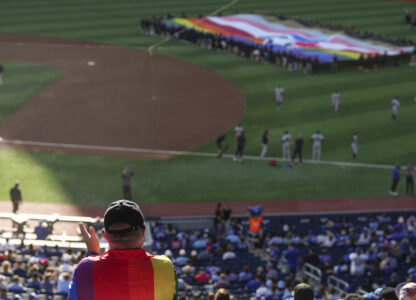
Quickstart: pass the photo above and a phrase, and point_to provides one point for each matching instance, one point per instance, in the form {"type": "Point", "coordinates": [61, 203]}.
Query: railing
{"type": "Point", "coordinates": [337, 284]}
{"type": "Point", "coordinates": [313, 273]}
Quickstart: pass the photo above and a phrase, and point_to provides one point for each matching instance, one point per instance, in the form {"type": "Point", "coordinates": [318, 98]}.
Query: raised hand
{"type": "Point", "coordinates": [90, 238]}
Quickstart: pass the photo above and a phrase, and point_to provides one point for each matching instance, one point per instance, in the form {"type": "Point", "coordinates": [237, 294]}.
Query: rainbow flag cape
{"type": "Point", "coordinates": [299, 41]}
{"type": "Point", "coordinates": [126, 275]}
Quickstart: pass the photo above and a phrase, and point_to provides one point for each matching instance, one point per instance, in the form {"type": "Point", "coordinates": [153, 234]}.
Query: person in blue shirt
{"type": "Point", "coordinates": [15, 286]}
{"type": "Point", "coordinates": [396, 179]}
{"type": "Point", "coordinates": [291, 256]}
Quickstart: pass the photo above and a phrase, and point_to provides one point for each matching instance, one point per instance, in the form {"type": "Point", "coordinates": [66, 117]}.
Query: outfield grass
{"type": "Point", "coordinates": [365, 108]}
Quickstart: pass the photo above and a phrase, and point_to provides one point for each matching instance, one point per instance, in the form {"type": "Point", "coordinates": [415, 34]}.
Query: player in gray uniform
{"type": "Point", "coordinates": [336, 99]}
{"type": "Point", "coordinates": [317, 139]}
{"type": "Point", "coordinates": [286, 140]}
{"type": "Point", "coordinates": [354, 145]}
{"type": "Point", "coordinates": [279, 91]}
{"type": "Point", "coordinates": [395, 104]}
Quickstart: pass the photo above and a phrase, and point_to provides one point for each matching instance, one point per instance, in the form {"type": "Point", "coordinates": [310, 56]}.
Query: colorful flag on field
{"type": "Point", "coordinates": [300, 41]}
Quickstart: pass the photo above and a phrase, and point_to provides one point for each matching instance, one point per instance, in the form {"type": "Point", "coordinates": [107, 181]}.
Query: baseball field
{"type": "Point", "coordinates": [78, 73]}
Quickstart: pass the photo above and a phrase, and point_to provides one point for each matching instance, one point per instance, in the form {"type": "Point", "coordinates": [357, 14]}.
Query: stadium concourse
{"type": "Point", "coordinates": [336, 252]}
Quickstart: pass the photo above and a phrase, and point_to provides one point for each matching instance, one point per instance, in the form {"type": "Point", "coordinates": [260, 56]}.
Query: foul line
{"type": "Point", "coordinates": [167, 39]}
{"type": "Point", "coordinates": [185, 153]}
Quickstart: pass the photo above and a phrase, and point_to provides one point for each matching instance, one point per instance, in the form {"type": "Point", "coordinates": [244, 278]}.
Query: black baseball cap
{"type": "Point", "coordinates": [123, 211]}
{"type": "Point", "coordinates": [387, 293]}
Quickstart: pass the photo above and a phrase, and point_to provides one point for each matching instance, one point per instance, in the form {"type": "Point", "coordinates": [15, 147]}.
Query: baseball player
{"type": "Point", "coordinates": [238, 130]}
{"type": "Point", "coordinates": [279, 91]}
{"type": "Point", "coordinates": [336, 99]}
{"type": "Point", "coordinates": [1, 71]}
{"type": "Point", "coordinates": [317, 139]}
{"type": "Point", "coordinates": [354, 145]}
{"type": "Point", "coordinates": [286, 140]}
{"type": "Point", "coordinates": [395, 104]}
{"type": "Point", "coordinates": [264, 143]}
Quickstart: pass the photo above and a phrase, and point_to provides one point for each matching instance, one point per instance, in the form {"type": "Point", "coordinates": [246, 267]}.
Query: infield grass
{"type": "Point", "coordinates": [365, 108]}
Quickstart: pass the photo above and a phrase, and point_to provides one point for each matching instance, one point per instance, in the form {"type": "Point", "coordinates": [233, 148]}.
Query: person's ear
{"type": "Point", "coordinates": [142, 237]}
{"type": "Point", "coordinates": [104, 235]}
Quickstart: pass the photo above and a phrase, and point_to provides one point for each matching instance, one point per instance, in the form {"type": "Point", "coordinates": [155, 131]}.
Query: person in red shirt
{"type": "Point", "coordinates": [202, 277]}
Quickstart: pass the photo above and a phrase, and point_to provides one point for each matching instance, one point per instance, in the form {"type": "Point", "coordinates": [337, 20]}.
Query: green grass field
{"type": "Point", "coordinates": [365, 108]}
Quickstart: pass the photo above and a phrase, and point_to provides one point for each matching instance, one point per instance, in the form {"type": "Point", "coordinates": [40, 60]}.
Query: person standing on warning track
{"type": "Point", "coordinates": [317, 139]}
{"type": "Point", "coordinates": [286, 140]}
{"type": "Point", "coordinates": [221, 145]}
{"type": "Point", "coordinates": [395, 104]}
{"type": "Point", "coordinates": [264, 143]}
{"type": "Point", "coordinates": [354, 145]}
{"type": "Point", "coordinates": [336, 99]}
{"type": "Point", "coordinates": [238, 130]}
{"type": "Point", "coordinates": [1, 72]}
{"type": "Point", "coordinates": [15, 197]}
{"type": "Point", "coordinates": [241, 141]}
{"type": "Point", "coordinates": [410, 172]}
{"type": "Point", "coordinates": [279, 91]}
{"type": "Point", "coordinates": [125, 177]}
{"type": "Point", "coordinates": [298, 148]}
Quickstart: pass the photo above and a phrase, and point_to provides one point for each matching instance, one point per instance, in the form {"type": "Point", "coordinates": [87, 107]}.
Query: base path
{"type": "Point", "coordinates": [118, 97]}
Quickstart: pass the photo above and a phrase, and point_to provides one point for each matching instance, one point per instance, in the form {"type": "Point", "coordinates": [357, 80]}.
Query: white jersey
{"type": "Point", "coordinates": [395, 103]}
{"type": "Point", "coordinates": [354, 140]}
{"type": "Point", "coordinates": [238, 130]}
{"type": "Point", "coordinates": [317, 139]}
{"type": "Point", "coordinates": [286, 138]}
{"type": "Point", "coordinates": [279, 94]}
{"type": "Point", "coordinates": [336, 97]}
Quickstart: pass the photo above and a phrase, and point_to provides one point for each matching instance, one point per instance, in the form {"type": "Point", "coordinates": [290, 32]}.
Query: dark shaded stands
{"type": "Point", "coordinates": [226, 255]}
{"type": "Point", "coordinates": [386, 244]}
{"type": "Point", "coordinates": [285, 59]}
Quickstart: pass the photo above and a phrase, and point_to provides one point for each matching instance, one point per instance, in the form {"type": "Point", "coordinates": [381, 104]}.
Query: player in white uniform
{"type": "Point", "coordinates": [317, 139]}
{"type": "Point", "coordinates": [286, 140]}
{"type": "Point", "coordinates": [336, 99]}
{"type": "Point", "coordinates": [238, 130]}
{"type": "Point", "coordinates": [395, 104]}
{"type": "Point", "coordinates": [279, 91]}
{"type": "Point", "coordinates": [354, 145]}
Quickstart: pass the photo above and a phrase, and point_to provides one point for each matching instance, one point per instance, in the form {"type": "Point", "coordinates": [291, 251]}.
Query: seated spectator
{"type": "Point", "coordinates": [242, 244]}
{"type": "Point", "coordinates": [212, 267]}
{"type": "Point", "coordinates": [263, 292]}
{"type": "Point", "coordinates": [216, 276]}
{"type": "Point", "coordinates": [175, 244]}
{"type": "Point", "coordinates": [222, 283]}
{"type": "Point", "coordinates": [15, 286]}
{"type": "Point", "coordinates": [48, 285]}
{"type": "Point", "coordinates": [229, 254]}
{"type": "Point", "coordinates": [271, 272]}
{"type": "Point", "coordinates": [34, 282]}
{"type": "Point", "coordinates": [64, 280]}
{"type": "Point", "coordinates": [182, 259]}
{"type": "Point", "coordinates": [200, 243]}
{"type": "Point", "coordinates": [6, 268]}
{"type": "Point", "coordinates": [254, 284]}
{"type": "Point", "coordinates": [222, 294]}
{"type": "Point", "coordinates": [33, 296]}
{"type": "Point", "coordinates": [245, 275]}
{"type": "Point", "coordinates": [66, 266]}
{"type": "Point", "coordinates": [230, 276]}
{"type": "Point", "coordinates": [3, 282]}
{"type": "Point", "coordinates": [205, 254]}
{"type": "Point", "coordinates": [41, 231]}
{"type": "Point", "coordinates": [3, 294]}
{"type": "Point", "coordinates": [18, 269]}
{"type": "Point", "coordinates": [202, 276]}
{"type": "Point", "coordinates": [232, 237]}
{"type": "Point", "coordinates": [303, 291]}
